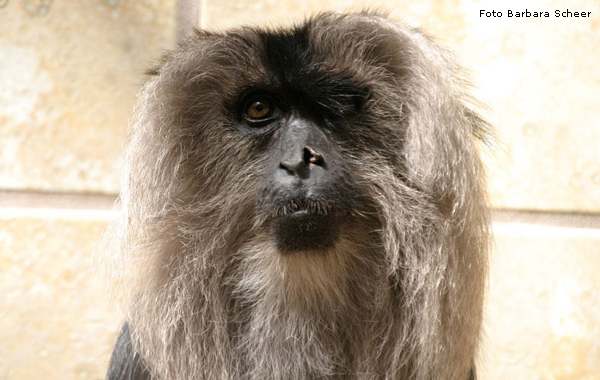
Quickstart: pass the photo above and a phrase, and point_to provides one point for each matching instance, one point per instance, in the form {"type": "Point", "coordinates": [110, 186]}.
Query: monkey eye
{"type": "Point", "coordinates": [258, 110]}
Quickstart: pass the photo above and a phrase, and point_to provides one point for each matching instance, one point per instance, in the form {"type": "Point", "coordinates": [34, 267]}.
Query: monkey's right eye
{"type": "Point", "coordinates": [259, 110]}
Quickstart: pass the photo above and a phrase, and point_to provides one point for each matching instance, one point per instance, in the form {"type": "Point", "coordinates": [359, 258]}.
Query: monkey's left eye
{"type": "Point", "coordinates": [258, 110]}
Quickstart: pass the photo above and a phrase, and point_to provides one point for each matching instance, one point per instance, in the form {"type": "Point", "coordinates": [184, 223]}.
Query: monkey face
{"type": "Point", "coordinates": [289, 121]}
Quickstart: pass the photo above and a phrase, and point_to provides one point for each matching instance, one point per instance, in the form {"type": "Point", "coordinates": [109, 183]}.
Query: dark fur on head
{"type": "Point", "coordinates": [398, 296]}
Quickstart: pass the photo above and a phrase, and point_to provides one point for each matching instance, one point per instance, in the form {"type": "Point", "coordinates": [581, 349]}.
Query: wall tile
{"type": "Point", "coordinates": [543, 308]}
{"type": "Point", "coordinates": [69, 72]}
{"type": "Point", "coordinates": [56, 319]}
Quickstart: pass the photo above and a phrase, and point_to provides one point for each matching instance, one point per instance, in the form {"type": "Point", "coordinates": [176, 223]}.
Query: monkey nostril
{"type": "Point", "coordinates": [302, 164]}
{"type": "Point", "coordinates": [288, 167]}
{"type": "Point", "coordinates": [312, 157]}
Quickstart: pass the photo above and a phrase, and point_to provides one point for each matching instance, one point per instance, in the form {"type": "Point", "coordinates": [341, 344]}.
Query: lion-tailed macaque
{"type": "Point", "coordinates": [303, 203]}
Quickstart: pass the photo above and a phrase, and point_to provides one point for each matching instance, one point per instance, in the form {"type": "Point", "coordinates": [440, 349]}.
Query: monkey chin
{"type": "Point", "coordinates": [303, 231]}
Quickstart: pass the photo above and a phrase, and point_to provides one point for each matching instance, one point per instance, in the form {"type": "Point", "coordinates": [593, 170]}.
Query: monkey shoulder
{"type": "Point", "coordinates": [125, 363]}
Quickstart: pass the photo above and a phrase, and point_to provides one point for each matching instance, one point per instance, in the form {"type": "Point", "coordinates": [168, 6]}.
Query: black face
{"type": "Point", "coordinates": [302, 112]}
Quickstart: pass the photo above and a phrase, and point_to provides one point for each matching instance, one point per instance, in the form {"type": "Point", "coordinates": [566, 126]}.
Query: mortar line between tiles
{"type": "Point", "coordinates": [56, 200]}
{"type": "Point", "coordinates": [83, 201]}
{"type": "Point", "coordinates": [547, 218]}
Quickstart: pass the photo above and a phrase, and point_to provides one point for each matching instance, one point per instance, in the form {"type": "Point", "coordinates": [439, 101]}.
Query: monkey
{"type": "Point", "coordinates": [303, 202]}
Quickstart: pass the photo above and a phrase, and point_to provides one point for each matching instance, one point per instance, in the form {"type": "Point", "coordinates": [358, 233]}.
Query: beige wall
{"type": "Point", "coordinates": [69, 71]}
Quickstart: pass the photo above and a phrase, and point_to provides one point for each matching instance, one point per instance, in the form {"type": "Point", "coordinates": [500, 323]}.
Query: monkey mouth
{"type": "Point", "coordinates": [305, 225]}
{"type": "Point", "coordinates": [304, 206]}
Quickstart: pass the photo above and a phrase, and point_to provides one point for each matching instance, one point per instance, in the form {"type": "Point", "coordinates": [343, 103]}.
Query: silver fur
{"type": "Point", "coordinates": [399, 297]}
